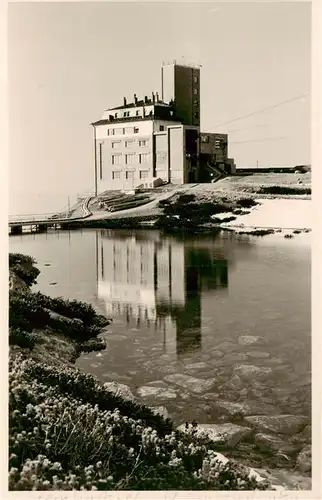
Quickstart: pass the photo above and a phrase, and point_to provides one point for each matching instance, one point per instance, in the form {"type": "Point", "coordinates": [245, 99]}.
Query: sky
{"type": "Point", "coordinates": [68, 62]}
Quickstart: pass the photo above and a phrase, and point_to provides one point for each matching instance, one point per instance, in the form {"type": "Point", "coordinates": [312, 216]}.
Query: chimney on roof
{"type": "Point", "coordinates": [157, 96]}
{"type": "Point", "coordinates": [146, 100]}
{"type": "Point", "coordinates": [153, 97]}
{"type": "Point", "coordinates": [124, 101]}
{"type": "Point", "coordinates": [135, 99]}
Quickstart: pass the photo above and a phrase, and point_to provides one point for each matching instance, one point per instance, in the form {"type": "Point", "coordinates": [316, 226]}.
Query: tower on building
{"type": "Point", "coordinates": [181, 84]}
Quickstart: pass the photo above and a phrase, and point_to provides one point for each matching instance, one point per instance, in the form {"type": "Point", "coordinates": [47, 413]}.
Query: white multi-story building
{"type": "Point", "coordinates": [154, 140]}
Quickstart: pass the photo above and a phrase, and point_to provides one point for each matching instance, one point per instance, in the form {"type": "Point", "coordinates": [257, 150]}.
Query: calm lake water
{"type": "Point", "coordinates": [182, 307]}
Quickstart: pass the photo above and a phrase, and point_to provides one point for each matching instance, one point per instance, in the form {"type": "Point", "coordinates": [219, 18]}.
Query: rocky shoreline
{"type": "Point", "coordinates": [243, 432]}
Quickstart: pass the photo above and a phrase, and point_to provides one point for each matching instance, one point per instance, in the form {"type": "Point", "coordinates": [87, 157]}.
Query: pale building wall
{"type": "Point", "coordinates": [125, 159]}
{"type": "Point", "coordinates": [162, 156]}
{"type": "Point", "coordinates": [176, 156]}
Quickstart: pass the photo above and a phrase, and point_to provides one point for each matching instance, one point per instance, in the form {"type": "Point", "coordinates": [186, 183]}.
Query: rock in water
{"type": "Point", "coordinates": [196, 385]}
{"type": "Point", "coordinates": [304, 459]}
{"type": "Point", "coordinates": [225, 434]}
{"type": "Point", "coordinates": [159, 392]}
{"type": "Point", "coordinates": [279, 424]}
{"type": "Point", "coordinates": [250, 340]}
{"type": "Point", "coordinates": [251, 371]}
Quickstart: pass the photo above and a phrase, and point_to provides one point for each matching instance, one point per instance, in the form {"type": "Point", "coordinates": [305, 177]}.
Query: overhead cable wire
{"type": "Point", "coordinates": [267, 108]}
{"type": "Point", "coordinates": [259, 140]}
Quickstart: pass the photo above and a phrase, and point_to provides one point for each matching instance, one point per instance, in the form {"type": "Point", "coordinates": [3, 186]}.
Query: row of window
{"type": "Point", "coordinates": [126, 113]}
{"type": "Point", "coordinates": [129, 143]}
{"type": "Point", "coordinates": [128, 130]}
{"type": "Point", "coordinates": [129, 174]}
{"type": "Point", "coordinates": [123, 130]}
{"type": "Point", "coordinates": [130, 158]}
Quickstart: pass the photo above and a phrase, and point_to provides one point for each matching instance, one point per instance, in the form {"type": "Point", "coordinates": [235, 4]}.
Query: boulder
{"type": "Point", "coordinates": [197, 366]}
{"type": "Point", "coordinates": [225, 346]}
{"type": "Point", "coordinates": [158, 383]}
{"type": "Point", "coordinates": [286, 479]}
{"type": "Point", "coordinates": [271, 443]}
{"type": "Point", "coordinates": [250, 340]}
{"type": "Point", "coordinates": [251, 371]}
{"type": "Point", "coordinates": [119, 390]}
{"type": "Point", "coordinates": [217, 354]}
{"type": "Point", "coordinates": [258, 354]}
{"type": "Point", "coordinates": [306, 434]}
{"type": "Point", "coordinates": [304, 459]}
{"type": "Point", "coordinates": [227, 434]}
{"type": "Point", "coordinates": [156, 392]}
{"type": "Point", "coordinates": [196, 385]}
{"type": "Point", "coordinates": [160, 410]}
{"type": "Point", "coordinates": [235, 356]}
{"type": "Point", "coordinates": [230, 408]}
{"type": "Point", "coordinates": [279, 424]}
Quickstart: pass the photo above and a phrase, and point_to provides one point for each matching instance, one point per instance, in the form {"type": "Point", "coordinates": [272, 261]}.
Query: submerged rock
{"type": "Point", "coordinates": [196, 385]}
{"type": "Point", "coordinates": [250, 340]}
{"type": "Point", "coordinates": [272, 443]}
{"type": "Point", "coordinates": [304, 459]}
{"type": "Point", "coordinates": [286, 479]}
{"type": "Point", "coordinates": [258, 354]}
{"type": "Point", "coordinates": [225, 434]}
{"type": "Point", "coordinates": [251, 371]}
{"type": "Point", "coordinates": [156, 392]}
{"type": "Point", "coordinates": [279, 424]}
{"type": "Point", "coordinates": [197, 366]}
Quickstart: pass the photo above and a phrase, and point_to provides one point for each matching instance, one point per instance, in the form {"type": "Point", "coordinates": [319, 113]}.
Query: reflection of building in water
{"type": "Point", "coordinates": [158, 282]}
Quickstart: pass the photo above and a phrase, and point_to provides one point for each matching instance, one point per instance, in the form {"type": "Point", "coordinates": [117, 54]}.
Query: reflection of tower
{"type": "Point", "coordinates": [152, 281]}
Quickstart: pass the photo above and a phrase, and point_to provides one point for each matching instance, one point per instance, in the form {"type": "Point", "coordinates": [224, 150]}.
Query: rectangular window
{"type": "Point", "coordinates": [144, 174]}
{"type": "Point", "coordinates": [143, 143]}
{"type": "Point", "coordinates": [110, 131]}
{"type": "Point", "coordinates": [197, 116]}
{"type": "Point", "coordinates": [100, 153]}
{"type": "Point", "coordinates": [116, 174]}
{"type": "Point", "coordinates": [116, 144]}
{"type": "Point", "coordinates": [195, 79]}
{"type": "Point", "coordinates": [161, 128]}
{"type": "Point", "coordinates": [118, 131]}
{"type": "Point", "coordinates": [136, 130]}
{"type": "Point", "coordinates": [130, 159]}
{"type": "Point", "coordinates": [217, 144]}
{"type": "Point", "coordinates": [195, 91]}
{"type": "Point", "coordinates": [129, 143]}
{"type": "Point", "coordinates": [116, 159]}
{"type": "Point", "coordinates": [143, 157]}
{"type": "Point", "coordinates": [137, 113]}
{"type": "Point", "coordinates": [129, 174]}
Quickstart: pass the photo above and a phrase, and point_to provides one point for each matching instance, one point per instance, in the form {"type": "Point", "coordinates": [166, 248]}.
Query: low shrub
{"type": "Point", "coordinates": [26, 313]}
{"type": "Point", "coordinates": [23, 266]}
{"type": "Point", "coordinates": [60, 439]}
{"type": "Point", "coordinates": [22, 338]}
{"type": "Point", "coordinates": [69, 308]}
{"type": "Point", "coordinates": [78, 320]}
{"type": "Point", "coordinates": [283, 190]}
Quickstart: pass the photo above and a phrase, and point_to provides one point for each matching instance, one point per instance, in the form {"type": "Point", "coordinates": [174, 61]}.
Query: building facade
{"type": "Point", "coordinates": [156, 140]}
